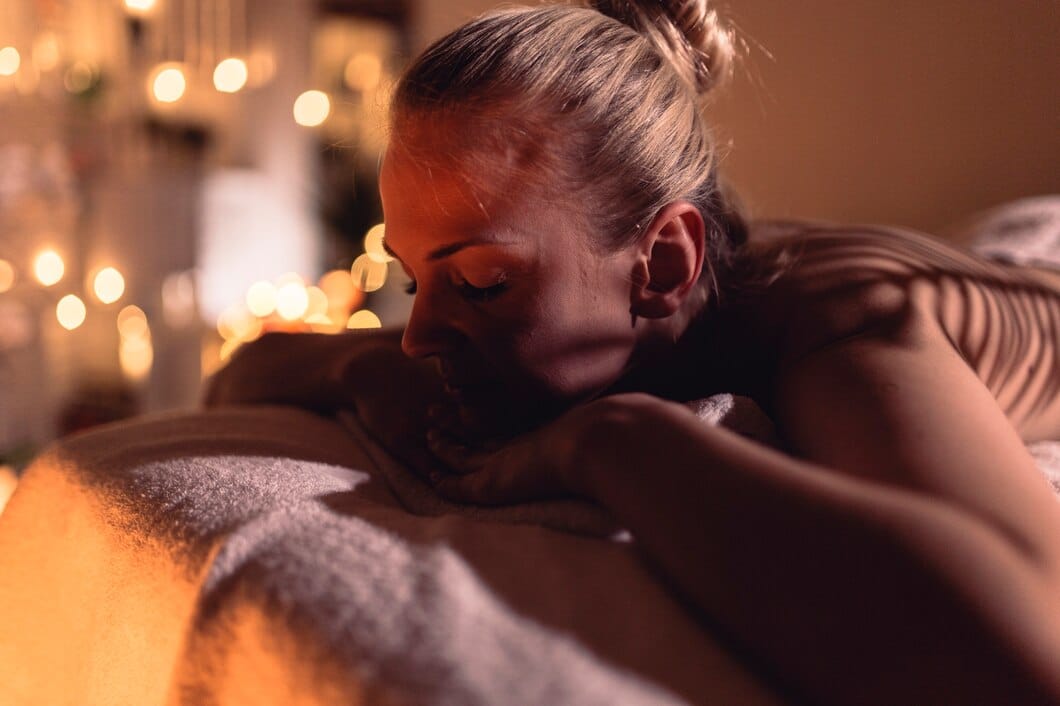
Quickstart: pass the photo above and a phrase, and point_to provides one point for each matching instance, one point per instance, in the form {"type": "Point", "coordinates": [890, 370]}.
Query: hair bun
{"type": "Point", "coordinates": [686, 32]}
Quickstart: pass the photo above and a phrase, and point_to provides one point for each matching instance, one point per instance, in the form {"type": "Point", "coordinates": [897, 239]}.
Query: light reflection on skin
{"type": "Point", "coordinates": [559, 332]}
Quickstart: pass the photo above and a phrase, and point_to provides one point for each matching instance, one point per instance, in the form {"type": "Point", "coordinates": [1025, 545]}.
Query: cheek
{"type": "Point", "coordinates": [567, 348]}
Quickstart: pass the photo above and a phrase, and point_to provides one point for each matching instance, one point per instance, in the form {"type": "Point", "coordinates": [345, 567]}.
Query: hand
{"type": "Point", "coordinates": [539, 465]}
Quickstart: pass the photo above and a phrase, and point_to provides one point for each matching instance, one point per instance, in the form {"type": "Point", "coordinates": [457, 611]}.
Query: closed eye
{"type": "Point", "coordinates": [482, 294]}
{"type": "Point", "coordinates": [469, 291]}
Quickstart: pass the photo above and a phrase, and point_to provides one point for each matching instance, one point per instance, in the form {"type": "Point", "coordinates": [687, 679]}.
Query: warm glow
{"type": "Point", "coordinates": [79, 77]}
{"type": "Point", "coordinates": [363, 72]}
{"type": "Point", "coordinates": [178, 298]}
{"type": "Point", "coordinates": [108, 285]}
{"type": "Point", "coordinates": [364, 319]}
{"type": "Point", "coordinates": [48, 268]}
{"type": "Point", "coordinates": [338, 286]}
{"type": "Point", "coordinates": [7, 276]}
{"type": "Point", "coordinates": [230, 75]}
{"type": "Point", "coordinates": [228, 348]}
{"type": "Point", "coordinates": [46, 51]}
{"type": "Point", "coordinates": [312, 108]}
{"type": "Point", "coordinates": [368, 274]}
{"type": "Point", "coordinates": [8, 483]}
{"type": "Point", "coordinates": [238, 324]}
{"type": "Point", "coordinates": [132, 322]}
{"type": "Point", "coordinates": [136, 356]}
{"type": "Point", "coordinates": [139, 7]}
{"type": "Point", "coordinates": [9, 61]}
{"type": "Point", "coordinates": [373, 244]}
{"type": "Point", "coordinates": [318, 303]}
{"type": "Point", "coordinates": [292, 300]}
{"type": "Point", "coordinates": [261, 298]}
{"type": "Point", "coordinates": [168, 84]}
{"type": "Point", "coordinates": [70, 311]}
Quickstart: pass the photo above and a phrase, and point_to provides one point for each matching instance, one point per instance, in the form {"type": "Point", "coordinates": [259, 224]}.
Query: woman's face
{"type": "Point", "coordinates": [522, 315]}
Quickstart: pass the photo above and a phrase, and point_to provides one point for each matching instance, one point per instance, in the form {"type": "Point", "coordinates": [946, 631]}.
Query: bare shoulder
{"type": "Point", "coordinates": [1002, 321]}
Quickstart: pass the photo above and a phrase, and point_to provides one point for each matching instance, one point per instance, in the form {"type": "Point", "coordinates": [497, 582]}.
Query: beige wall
{"type": "Point", "coordinates": [900, 111]}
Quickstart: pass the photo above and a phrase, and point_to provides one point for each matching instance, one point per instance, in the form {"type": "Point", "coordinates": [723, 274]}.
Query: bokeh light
{"type": "Point", "coordinates": [230, 75]}
{"type": "Point", "coordinates": [339, 288]}
{"type": "Point", "coordinates": [136, 356]}
{"type": "Point", "coordinates": [261, 298]}
{"type": "Point", "coordinates": [70, 311]}
{"type": "Point", "coordinates": [79, 77]}
{"type": "Point", "coordinates": [108, 285]}
{"type": "Point", "coordinates": [368, 274]}
{"type": "Point", "coordinates": [292, 300]}
{"type": "Point", "coordinates": [238, 324]}
{"type": "Point", "coordinates": [10, 60]}
{"type": "Point", "coordinates": [48, 267]}
{"type": "Point", "coordinates": [46, 51]}
{"type": "Point", "coordinates": [132, 322]}
{"type": "Point", "coordinates": [312, 108]}
{"type": "Point", "coordinates": [364, 319]}
{"type": "Point", "coordinates": [318, 303]}
{"type": "Point", "coordinates": [139, 7]}
{"type": "Point", "coordinates": [7, 276]}
{"type": "Point", "coordinates": [373, 244]}
{"type": "Point", "coordinates": [168, 84]}
{"type": "Point", "coordinates": [363, 72]}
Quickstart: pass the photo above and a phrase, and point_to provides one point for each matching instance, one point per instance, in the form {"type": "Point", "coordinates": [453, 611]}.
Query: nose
{"type": "Point", "coordinates": [426, 333]}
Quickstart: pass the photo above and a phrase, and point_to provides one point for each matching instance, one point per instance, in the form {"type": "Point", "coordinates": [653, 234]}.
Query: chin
{"type": "Point", "coordinates": [498, 412]}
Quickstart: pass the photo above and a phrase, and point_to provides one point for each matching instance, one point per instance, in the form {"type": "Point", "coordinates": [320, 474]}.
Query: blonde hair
{"type": "Point", "coordinates": [603, 101]}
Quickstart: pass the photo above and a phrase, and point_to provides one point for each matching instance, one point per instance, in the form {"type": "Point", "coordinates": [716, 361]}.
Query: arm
{"type": "Point", "coordinates": [906, 585]}
{"type": "Point", "coordinates": [361, 371]}
{"type": "Point", "coordinates": [300, 369]}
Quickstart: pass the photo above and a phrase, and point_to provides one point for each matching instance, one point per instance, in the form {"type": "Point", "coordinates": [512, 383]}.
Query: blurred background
{"type": "Point", "coordinates": [177, 176]}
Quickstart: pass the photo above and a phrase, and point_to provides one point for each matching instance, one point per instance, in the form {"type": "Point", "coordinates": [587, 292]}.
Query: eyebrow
{"type": "Point", "coordinates": [446, 250]}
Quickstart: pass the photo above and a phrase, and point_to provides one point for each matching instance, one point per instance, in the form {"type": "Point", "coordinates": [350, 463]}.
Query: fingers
{"type": "Point", "coordinates": [456, 455]}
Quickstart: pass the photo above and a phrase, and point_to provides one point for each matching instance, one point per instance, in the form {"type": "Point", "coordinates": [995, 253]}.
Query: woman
{"type": "Point", "coordinates": [551, 190]}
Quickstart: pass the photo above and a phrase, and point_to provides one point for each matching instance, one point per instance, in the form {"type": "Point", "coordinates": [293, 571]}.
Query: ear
{"type": "Point", "coordinates": [668, 261]}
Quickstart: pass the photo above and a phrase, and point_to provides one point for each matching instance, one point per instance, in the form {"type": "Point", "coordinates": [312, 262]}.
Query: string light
{"type": "Point", "coordinates": [10, 60]}
{"type": "Point", "coordinates": [373, 244]}
{"type": "Point", "coordinates": [339, 288]}
{"type": "Point", "coordinates": [108, 285]}
{"type": "Point", "coordinates": [79, 77]}
{"type": "Point", "coordinates": [230, 75]}
{"type": "Point", "coordinates": [238, 324]}
{"type": "Point", "coordinates": [49, 268]}
{"type": "Point", "coordinates": [132, 322]}
{"type": "Point", "coordinates": [292, 300]}
{"type": "Point", "coordinates": [7, 276]}
{"type": "Point", "coordinates": [168, 83]}
{"type": "Point", "coordinates": [317, 305]}
{"type": "Point", "coordinates": [261, 299]}
{"type": "Point", "coordinates": [312, 108]}
{"type": "Point", "coordinates": [139, 7]}
{"type": "Point", "coordinates": [46, 51]}
{"type": "Point", "coordinates": [364, 319]}
{"type": "Point", "coordinates": [136, 356]}
{"type": "Point", "coordinates": [363, 72]}
{"type": "Point", "coordinates": [70, 311]}
{"type": "Point", "coordinates": [368, 274]}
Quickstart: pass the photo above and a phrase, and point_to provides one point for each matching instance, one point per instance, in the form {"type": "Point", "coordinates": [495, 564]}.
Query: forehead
{"type": "Point", "coordinates": [445, 197]}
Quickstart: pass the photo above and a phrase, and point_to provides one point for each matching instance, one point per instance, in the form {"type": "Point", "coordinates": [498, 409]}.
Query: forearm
{"type": "Point", "coordinates": [304, 369]}
{"type": "Point", "coordinates": [835, 582]}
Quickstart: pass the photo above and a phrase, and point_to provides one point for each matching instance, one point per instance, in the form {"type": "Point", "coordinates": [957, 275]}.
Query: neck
{"type": "Point", "coordinates": [681, 358]}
